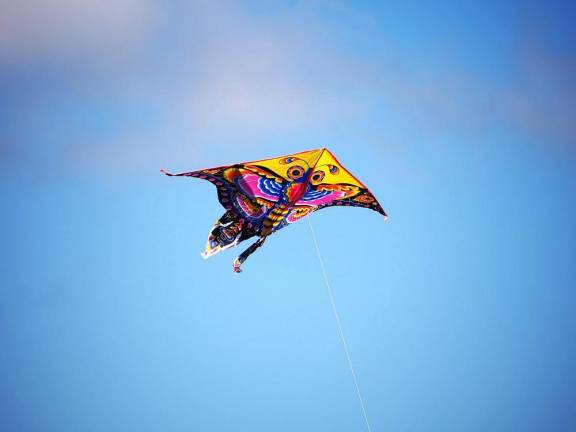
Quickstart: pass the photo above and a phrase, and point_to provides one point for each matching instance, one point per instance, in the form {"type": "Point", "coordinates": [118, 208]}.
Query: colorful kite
{"type": "Point", "coordinates": [261, 197]}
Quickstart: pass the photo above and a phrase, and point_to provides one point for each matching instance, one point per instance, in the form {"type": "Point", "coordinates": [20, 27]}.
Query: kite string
{"type": "Point", "coordinates": [339, 323]}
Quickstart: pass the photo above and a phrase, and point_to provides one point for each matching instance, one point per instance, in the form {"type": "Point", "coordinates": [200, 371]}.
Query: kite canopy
{"type": "Point", "coordinates": [261, 197]}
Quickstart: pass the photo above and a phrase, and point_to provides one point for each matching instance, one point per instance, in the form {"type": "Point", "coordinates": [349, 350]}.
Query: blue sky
{"type": "Point", "coordinates": [459, 311]}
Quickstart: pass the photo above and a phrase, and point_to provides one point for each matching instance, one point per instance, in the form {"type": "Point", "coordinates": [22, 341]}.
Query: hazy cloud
{"type": "Point", "coordinates": [543, 99]}
{"type": "Point", "coordinates": [204, 75]}
{"type": "Point", "coordinates": [38, 28]}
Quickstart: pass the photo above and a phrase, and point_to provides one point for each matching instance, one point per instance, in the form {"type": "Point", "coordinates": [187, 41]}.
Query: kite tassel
{"type": "Point", "coordinates": [244, 255]}
{"type": "Point", "coordinates": [236, 266]}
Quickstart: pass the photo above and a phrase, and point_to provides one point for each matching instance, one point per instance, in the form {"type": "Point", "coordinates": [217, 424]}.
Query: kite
{"type": "Point", "coordinates": [264, 196]}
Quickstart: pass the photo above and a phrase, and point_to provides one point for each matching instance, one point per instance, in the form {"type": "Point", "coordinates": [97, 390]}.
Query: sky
{"type": "Point", "coordinates": [458, 311]}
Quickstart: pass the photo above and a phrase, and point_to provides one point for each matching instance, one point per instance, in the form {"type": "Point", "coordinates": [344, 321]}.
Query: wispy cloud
{"type": "Point", "coordinates": [71, 28]}
{"type": "Point", "coordinates": [205, 72]}
{"type": "Point", "coordinates": [542, 101]}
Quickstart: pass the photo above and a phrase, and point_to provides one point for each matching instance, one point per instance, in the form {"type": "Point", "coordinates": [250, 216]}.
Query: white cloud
{"type": "Point", "coordinates": [220, 72]}
{"type": "Point", "coordinates": [543, 100]}
{"type": "Point", "coordinates": [40, 28]}
{"type": "Point", "coordinates": [253, 73]}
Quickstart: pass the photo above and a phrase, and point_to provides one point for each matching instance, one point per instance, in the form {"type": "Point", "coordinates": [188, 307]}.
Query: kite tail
{"type": "Point", "coordinates": [244, 255]}
{"type": "Point", "coordinates": [186, 174]}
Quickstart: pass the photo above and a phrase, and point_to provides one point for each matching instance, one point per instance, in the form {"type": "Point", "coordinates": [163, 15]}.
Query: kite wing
{"type": "Point", "coordinates": [323, 196]}
{"type": "Point", "coordinates": [330, 184]}
{"type": "Point", "coordinates": [248, 190]}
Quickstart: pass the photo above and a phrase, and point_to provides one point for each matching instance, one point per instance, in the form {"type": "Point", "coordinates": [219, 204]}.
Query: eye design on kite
{"type": "Point", "coordinates": [317, 177]}
{"type": "Point", "coordinates": [333, 169]}
{"type": "Point", "coordinates": [287, 160]}
{"type": "Point", "coordinates": [295, 172]}
{"type": "Point", "coordinates": [364, 199]}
